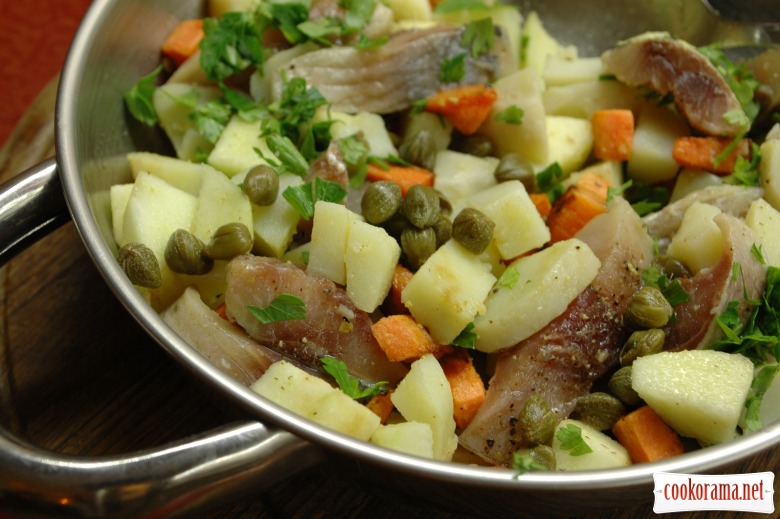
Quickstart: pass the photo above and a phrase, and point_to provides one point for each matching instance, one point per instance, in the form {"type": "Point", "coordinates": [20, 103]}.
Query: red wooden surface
{"type": "Point", "coordinates": [34, 39]}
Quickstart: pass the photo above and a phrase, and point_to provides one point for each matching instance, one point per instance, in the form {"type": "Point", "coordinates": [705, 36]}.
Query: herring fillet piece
{"type": "Point", "coordinates": [561, 361]}
{"type": "Point", "coordinates": [224, 344]}
{"type": "Point", "coordinates": [392, 77]}
{"type": "Point", "coordinates": [333, 326]}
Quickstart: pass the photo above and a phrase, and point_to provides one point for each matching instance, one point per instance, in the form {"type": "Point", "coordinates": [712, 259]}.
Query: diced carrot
{"type": "Point", "coordinates": [466, 107]}
{"type": "Point", "coordinates": [581, 202]}
{"type": "Point", "coordinates": [542, 203]}
{"type": "Point", "coordinates": [404, 176]}
{"type": "Point", "coordinates": [705, 153]}
{"type": "Point", "coordinates": [381, 405]}
{"type": "Point", "coordinates": [646, 437]}
{"type": "Point", "coordinates": [613, 133]}
{"type": "Point", "coordinates": [183, 41]}
{"type": "Point", "coordinates": [221, 310]}
{"type": "Point", "coordinates": [393, 303]}
{"type": "Point", "coordinates": [468, 390]}
{"type": "Point", "coordinates": [404, 340]}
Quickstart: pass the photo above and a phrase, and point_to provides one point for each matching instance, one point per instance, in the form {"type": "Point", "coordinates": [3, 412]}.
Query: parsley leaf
{"type": "Point", "coordinates": [571, 440]}
{"type": "Point", "coordinates": [287, 17]}
{"type": "Point", "coordinates": [478, 36]}
{"type": "Point", "coordinates": [357, 15]}
{"type": "Point", "coordinates": [295, 107]}
{"type": "Point", "coordinates": [466, 338]}
{"type": "Point", "coordinates": [746, 171]}
{"type": "Point", "coordinates": [304, 196]}
{"type": "Point", "coordinates": [672, 290]}
{"type": "Point", "coordinates": [211, 118]}
{"type": "Point", "coordinates": [523, 463]}
{"type": "Point", "coordinates": [284, 307]}
{"type": "Point", "coordinates": [510, 115]}
{"type": "Point", "coordinates": [139, 98]}
{"type": "Point", "coordinates": [290, 159]}
{"type": "Point", "coordinates": [366, 43]}
{"type": "Point", "coordinates": [509, 278]}
{"type": "Point", "coordinates": [350, 385]}
{"type": "Point", "coordinates": [453, 70]}
{"type": "Point", "coordinates": [645, 198]}
{"type": "Point", "coordinates": [549, 181]}
{"type": "Point", "coordinates": [231, 44]}
{"type": "Point", "coordinates": [758, 389]}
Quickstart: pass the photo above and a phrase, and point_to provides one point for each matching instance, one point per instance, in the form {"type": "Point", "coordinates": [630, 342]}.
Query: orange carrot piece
{"type": "Point", "coordinates": [646, 437]}
{"type": "Point", "coordinates": [404, 176]}
{"type": "Point", "coordinates": [542, 203]}
{"type": "Point", "coordinates": [703, 153]}
{"type": "Point", "coordinates": [404, 340]}
{"type": "Point", "coordinates": [468, 389]}
{"type": "Point", "coordinates": [613, 133]}
{"type": "Point", "coordinates": [183, 41]}
{"type": "Point", "coordinates": [393, 303]}
{"type": "Point", "coordinates": [465, 107]}
{"type": "Point", "coordinates": [580, 203]}
{"type": "Point", "coordinates": [381, 405]}
{"type": "Point", "coordinates": [221, 310]}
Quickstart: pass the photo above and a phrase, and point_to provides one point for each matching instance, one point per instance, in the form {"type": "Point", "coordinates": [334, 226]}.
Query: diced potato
{"type": "Point", "coordinates": [415, 438]}
{"type": "Point", "coordinates": [548, 281]}
{"type": "Point", "coordinates": [769, 411]}
{"type": "Point", "coordinates": [458, 175]}
{"type": "Point", "coordinates": [558, 71]}
{"type": "Point", "coordinates": [220, 202]}
{"type": "Point", "coordinates": [179, 173]}
{"type": "Point", "coordinates": [370, 126]}
{"type": "Point", "coordinates": [424, 395]}
{"type": "Point", "coordinates": [219, 7]}
{"type": "Point", "coordinates": [448, 291]}
{"type": "Point", "coordinates": [609, 170]}
{"type": "Point", "coordinates": [570, 142]}
{"type": "Point", "coordinates": [174, 116]}
{"type": "Point", "coordinates": [370, 260]}
{"type": "Point", "coordinates": [437, 127]}
{"type": "Point", "coordinates": [690, 180]}
{"type": "Point", "coordinates": [651, 160]}
{"type": "Point", "coordinates": [698, 243]}
{"type": "Point", "coordinates": [416, 10]}
{"type": "Point", "coordinates": [519, 227]}
{"type": "Point", "coordinates": [329, 235]}
{"type": "Point", "coordinates": [313, 398]}
{"type": "Point", "coordinates": [119, 194]}
{"type": "Point", "coordinates": [298, 255]}
{"type": "Point", "coordinates": [235, 149]}
{"type": "Point", "coordinates": [582, 99]}
{"type": "Point", "coordinates": [764, 220]}
{"type": "Point", "coordinates": [539, 44]}
{"type": "Point", "coordinates": [606, 452]}
{"type": "Point", "coordinates": [522, 89]}
{"type": "Point", "coordinates": [769, 171]}
{"type": "Point", "coordinates": [698, 393]}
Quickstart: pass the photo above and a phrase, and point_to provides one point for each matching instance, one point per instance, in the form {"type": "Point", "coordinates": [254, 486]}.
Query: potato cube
{"type": "Point", "coordinates": [698, 393]}
{"type": "Point", "coordinates": [698, 243]}
{"type": "Point", "coordinates": [690, 180]}
{"type": "Point", "coordinates": [448, 291]}
{"type": "Point", "coordinates": [769, 171]}
{"type": "Point", "coordinates": [605, 453]}
{"type": "Point", "coordinates": [651, 160]}
{"type": "Point", "coordinates": [570, 142]}
{"type": "Point", "coordinates": [458, 175]}
{"type": "Point", "coordinates": [415, 438]}
{"type": "Point", "coordinates": [182, 174]}
{"type": "Point", "coordinates": [174, 116]}
{"type": "Point", "coordinates": [539, 44]}
{"type": "Point", "coordinates": [764, 220]}
{"type": "Point", "coordinates": [235, 149]}
{"type": "Point", "coordinates": [119, 194]}
{"type": "Point", "coordinates": [220, 202]}
{"type": "Point", "coordinates": [559, 71]}
{"type": "Point", "coordinates": [370, 126]}
{"type": "Point", "coordinates": [582, 99]}
{"type": "Point", "coordinates": [416, 10]}
{"type": "Point", "coordinates": [547, 282]}
{"type": "Point", "coordinates": [341, 413]}
{"type": "Point", "coordinates": [370, 259]}
{"type": "Point", "coordinates": [329, 235]}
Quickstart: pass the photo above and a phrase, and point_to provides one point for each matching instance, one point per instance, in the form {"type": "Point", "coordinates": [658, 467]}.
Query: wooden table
{"type": "Point", "coordinates": [77, 375]}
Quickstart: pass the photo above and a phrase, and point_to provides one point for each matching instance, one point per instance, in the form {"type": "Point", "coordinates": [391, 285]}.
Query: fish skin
{"type": "Point", "coordinates": [333, 326]}
{"type": "Point", "coordinates": [561, 361]}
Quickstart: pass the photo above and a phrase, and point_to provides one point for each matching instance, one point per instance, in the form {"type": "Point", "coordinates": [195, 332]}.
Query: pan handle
{"type": "Point", "coordinates": [171, 480]}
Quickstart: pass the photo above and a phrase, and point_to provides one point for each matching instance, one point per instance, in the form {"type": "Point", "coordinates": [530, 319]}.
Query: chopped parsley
{"type": "Point", "coordinates": [304, 196]}
{"type": "Point", "coordinates": [509, 278]}
{"type": "Point", "coordinates": [366, 43]}
{"type": "Point", "coordinates": [296, 106]}
{"type": "Point", "coordinates": [350, 385]}
{"type": "Point", "coordinates": [549, 181]}
{"type": "Point", "coordinates": [510, 115]}
{"type": "Point", "coordinates": [211, 118]}
{"type": "Point", "coordinates": [139, 98]}
{"type": "Point", "coordinates": [746, 171]}
{"type": "Point", "coordinates": [290, 160]}
{"type": "Point", "coordinates": [645, 198]}
{"type": "Point", "coordinates": [231, 44]}
{"type": "Point", "coordinates": [672, 290]}
{"type": "Point", "coordinates": [478, 36]}
{"type": "Point", "coordinates": [741, 81]}
{"type": "Point", "coordinates": [284, 307]}
{"type": "Point", "coordinates": [523, 463]}
{"type": "Point", "coordinates": [571, 440]}
{"type": "Point", "coordinates": [453, 69]}
{"type": "Point", "coordinates": [466, 338]}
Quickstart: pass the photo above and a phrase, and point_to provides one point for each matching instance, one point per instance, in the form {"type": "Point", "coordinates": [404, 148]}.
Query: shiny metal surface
{"type": "Point", "coordinates": [117, 44]}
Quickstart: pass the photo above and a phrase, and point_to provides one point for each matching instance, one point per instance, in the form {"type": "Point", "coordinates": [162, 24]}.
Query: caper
{"type": "Point", "coordinates": [476, 144]}
{"type": "Point", "coordinates": [648, 308]}
{"type": "Point", "coordinates": [380, 201]}
{"type": "Point", "coordinates": [641, 343]}
{"type": "Point", "coordinates": [473, 229]}
{"type": "Point", "coordinates": [261, 185]}
{"type": "Point", "coordinates": [445, 207]}
{"type": "Point", "coordinates": [419, 149]}
{"type": "Point", "coordinates": [620, 386]}
{"type": "Point", "coordinates": [184, 254]}
{"type": "Point", "coordinates": [417, 245]}
{"type": "Point", "coordinates": [544, 455]}
{"type": "Point", "coordinates": [671, 267]}
{"type": "Point", "coordinates": [140, 265]}
{"type": "Point", "coordinates": [537, 421]}
{"type": "Point", "coordinates": [395, 225]}
{"type": "Point", "coordinates": [230, 240]}
{"type": "Point", "coordinates": [599, 410]}
{"type": "Point", "coordinates": [515, 167]}
{"type": "Point", "coordinates": [421, 206]}
{"type": "Point", "coordinates": [443, 230]}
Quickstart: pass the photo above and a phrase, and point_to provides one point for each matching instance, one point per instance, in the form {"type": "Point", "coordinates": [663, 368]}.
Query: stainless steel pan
{"type": "Point", "coordinates": [117, 43]}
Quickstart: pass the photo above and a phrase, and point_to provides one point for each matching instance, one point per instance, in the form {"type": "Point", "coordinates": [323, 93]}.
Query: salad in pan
{"type": "Point", "coordinates": [434, 227]}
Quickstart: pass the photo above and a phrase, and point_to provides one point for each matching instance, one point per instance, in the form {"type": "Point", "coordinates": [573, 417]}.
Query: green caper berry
{"type": "Point", "coordinates": [140, 265]}
{"type": "Point", "coordinates": [620, 385]}
{"type": "Point", "coordinates": [261, 185]}
{"type": "Point", "coordinates": [417, 245]}
{"type": "Point", "coordinates": [600, 410]}
{"type": "Point", "coordinates": [537, 421]}
{"type": "Point", "coordinates": [445, 207]}
{"type": "Point", "coordinates": [473, 229]}
{"type": "Point", "coordinates": [477, 145]}
{"type": "Point", "coordinates": [184, 254]}
{"type": "Point", "coordinates": [395, 225]}
{"type": "Point", "coordinates": [544, 455]}
{"type": "Point", "coordinates": [443, 230]}
{"type": "Point", "coordinates": [648, 308]}
{"type": "Point", "coordinates": [229, 241]}
{"type": "Point", "coordinates": [421, 206]}
{"type": "Point", "coordinates": [514, 167]}
{"type": "Point", "coordinates": [419, 149]}
{"type": "Point", "coordinates": [642, 343]}
{"type": "Point", "coordinates": [380, 201]}
{"type": "Point", "coordinates": [671, 267]}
